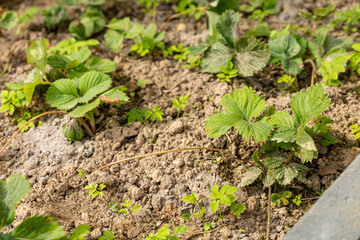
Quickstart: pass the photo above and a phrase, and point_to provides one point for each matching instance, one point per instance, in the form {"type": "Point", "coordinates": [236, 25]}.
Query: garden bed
{"type": "Point", "coordinates": [158, 183]}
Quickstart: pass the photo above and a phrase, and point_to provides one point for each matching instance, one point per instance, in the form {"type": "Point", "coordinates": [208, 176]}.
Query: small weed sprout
{"type": "Point", "coordinates": [180, 103]}
{"type": "Point", "coordinates": [126, 207]}
{"type": "Point", "coordinates": [296, 200]}
{"type": "Point", "coordinates": [288, 80]}
{"type": "Point", "coordinates": [226, 74]}
{"type": "Point", "coordinates": [154, 114]}
{"type": "Point", "coordinates": [95, 189]}
{"type": "Point", "coordinates": [81, 173]}
{"type": "Point", "coordinates": [165, 233]}
{"type": "Point", "coordinates": [355, 130]}
{"type": "Point", "coordinates": [182, 52]}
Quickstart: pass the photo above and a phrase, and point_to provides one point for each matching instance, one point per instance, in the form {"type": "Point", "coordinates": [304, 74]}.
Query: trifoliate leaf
{"type": "Point", "coordinates": [251, 56]}
{"type": "Point", "coordinates": [308, 105]}
{"type": "Point", "coordinates": [12, 190]}
{"type": "Point", "coordinates": [38, 227]}
{"type": "Point", "coordinates": [241, 107]}
{"type": "Point", "coordinates": [250, 176]}
{"type": "Point", "coordinates": [91, 84]}
{"type": "Point", "coordinates": [226, 26]}
{"type": "Point", "coordinates": [82, 110]}
{"type": "Point", "coordinates": [79, 232]}
{"type": "Point", "coordinates": [37, 54]}
{"type": "Point", "coordinates": [101, 65]}
{"type": "Point", "coordinates": [217, 56]}
{"type": "Point", "coordinates": [73, 131]}
{"type": "Point", "coordinates": [62, 94]}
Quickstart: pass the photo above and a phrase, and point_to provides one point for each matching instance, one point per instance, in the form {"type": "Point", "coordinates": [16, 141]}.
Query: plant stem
{"type": "Point", "coordinates": [182, 13]}
{"type": "Point", "coordinates": [289, 158]}
{"type": "Point", "coordinates": [163, 152]}
{"type": "Point", "coordinates": [313, 28]}
{"type": "Point", "coordinates": [87, 128]}
{"type": "Point", "coordinates": [268, 215]}
{"type": "Point", "coordinates": [313, 70]}
{"type": "Point", "coordinates": [32, 119]}
{"type": "Point", "coordinates": [11, 54]}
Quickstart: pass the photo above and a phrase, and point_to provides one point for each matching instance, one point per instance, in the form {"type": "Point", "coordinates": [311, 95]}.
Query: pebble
{"type": "Point", "coordinates": [90, 152]}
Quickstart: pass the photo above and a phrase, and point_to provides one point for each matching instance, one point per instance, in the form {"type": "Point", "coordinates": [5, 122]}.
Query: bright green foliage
{"type": "Point", "coordinates": [107, 236]}
{"type": "Point", "coordinates": [318, 14]}
{"type": "Point", "coordinates": [355, 130]}
{"type": "Point", "coordinates": [79, 232]}
{"type": "Point", "coordinates": [350, 19]}
{"type": "Point", "coordinates": [241, 108]}
{"type": "Point", "coordinates": [8, 20]}
{"type": "Point", "coordinates": [332, 66]}
{"type": "Point", "coordinates": [289, 50]}
{"type": "Point", "coordinates": [189, 6]}
{"type": "Point", "coordinates": [91, 22]}
{"type": "Point", "coordinates": [11, 100]}
{"type": "Point", "coordinates": [126, 207]}
{"type": "Point", "coordinates": [182, 52]}
{"type": "Point", "coordinates": [193, 62]}
{"type": "Point", "coordinates": [296, 200]}
{"type": "Point", "coordinates": [95, 189]}
{"type": "Point", "coordinates": [225, 196]}
{"type": "Point", "coordinates": [136, 115]}
{"type": "Point", "coordinates": [53, 16]}
{"type": "Point", "coordinates": [71, 46]}
{"type": "Point", "coordinates": [288, 80]}
{"type": "Point", "coordinates": [355, 58]}
{"type": "Point", "coordinates": [281, 198]}
{"type": "Point", "coordinates": [37, 54]}
{"type": "Point", "coordinates": [226, 74]}
{"type": "Point", "coordinates": [154, 114]}
{"type": "Point", "coordinates": [180, 103]}
{"type": "Point", "coordinates": [165, 233]}
{"type": "Point", "coordinates": [119, 30]}
{"type": "Point", "coordinates": [247, 54]}
{"type": "Point", "coordinates": [22, 121]}
{"type": "Point", "coordinates": [73, 131]}
{"type": "Point", "coordinates": [260, 9]}
{"type": "Point", "coordinates": [81, 173]}
{"type": "Point", "coordinates": [148, 40]}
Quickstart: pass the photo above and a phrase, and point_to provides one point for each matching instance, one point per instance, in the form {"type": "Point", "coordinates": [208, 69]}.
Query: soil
{"type": "Point", "coordinates": [158, 183]}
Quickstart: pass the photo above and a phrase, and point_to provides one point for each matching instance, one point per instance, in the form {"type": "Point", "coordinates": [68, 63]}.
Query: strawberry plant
{"type": "Point", "coordinates": [248, 55]}
{"type": "Point", "coordinates": [355, 58]}
{"type": "Point", "coordinates": [226, 74]}
{"type": "Point", "coordinates": [246, 111]}
{"type": "Point", "coordinates": [53, 16]}
{"type": "Point", "coordinates": [95, 189]}
{"type": "Point", "coordinates": [81, 96]}
{"type": "Point", "coordinates": [318, 14]}
{"type": "Point", "coordinates": [182, 52]}
{"type": "Point", "coordinates": [11, 19]}
{"type": "Point", "coordinates": [154, 114]}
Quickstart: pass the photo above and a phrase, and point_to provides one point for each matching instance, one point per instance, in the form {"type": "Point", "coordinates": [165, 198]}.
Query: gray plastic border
{"type": "Point", "coordinates": [336, 215]}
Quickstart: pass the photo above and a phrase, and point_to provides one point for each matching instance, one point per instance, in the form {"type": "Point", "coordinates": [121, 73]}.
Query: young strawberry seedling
{"type": "Point", "coordinates": [180, 103]}
{"type": "Point", "coordinates": [126, 207]}
{"type": "Point", "coordinates": [95, 189]}
{"type": "Point", "coordinates": [281, 198]}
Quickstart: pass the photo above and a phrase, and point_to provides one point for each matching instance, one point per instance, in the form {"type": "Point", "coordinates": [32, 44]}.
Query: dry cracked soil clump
{"type": "Point", "coordinates": [159, 183]}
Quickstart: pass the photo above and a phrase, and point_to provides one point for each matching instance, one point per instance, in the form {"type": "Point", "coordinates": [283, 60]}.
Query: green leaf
{"type": "Point", "coordinates": [250, 176]}
{"type": "Point", "coordinates": [135, 115]}
{"type": "Point", "coordinates": [241, 107]}
{"type": "Point", "coordinates": [282, 119]}
{"type": "Point", "coordinates": [79, 232]}
{"type": "Point", "coordinates": [120, 25]}
{"type": "Point", "coordinates": [39, 228]}
{"type": "Point", "coordinates": [12, 190]}
{"type": "Point", "coordinates": [307, 105]}
{"type": "Point", "coordinates": [107, 235]}
{"type": "Point", "coordinates": [226, 26]}
{"type": "Point", "coordinates": [251, 56]}
{"type": "Point", "coordinates": [101, 65]}
{"type": "Point", "coordinates": [116, 95]}
{"type": "Point", "coordinates": [136, 208]}
{"type": "Point", "coordinates": [73, 131]}
{"type": "Point", "coordinates": [33, 79]}
{"type": "Point", "coordinates": [261, 30]}
{"type": "Point", "coordinates": [237, 209]}
{"type": "Point", "coordinates": [92, 83]}
{"type": "Point", "coordinates": [62, 94]}
{"type": "Point", "coordinates": [217, 56]}
{"type": "Point", "coordinates": [304, 140]}
{"type": "Point", "coordinates": [192, 198]}
{"type": "Point", "coordinates": [8, 20]}
{"type": "Point", "coordinates": [82, 110]}
{"type": "Point", "coordinates": [114, 40]}
{"type": "Point", "coordinates": [214, 205]}
{"type": "Point", "coordinates": [37, 54]}
{"type": "Point", "coordinates": [180, 229]}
